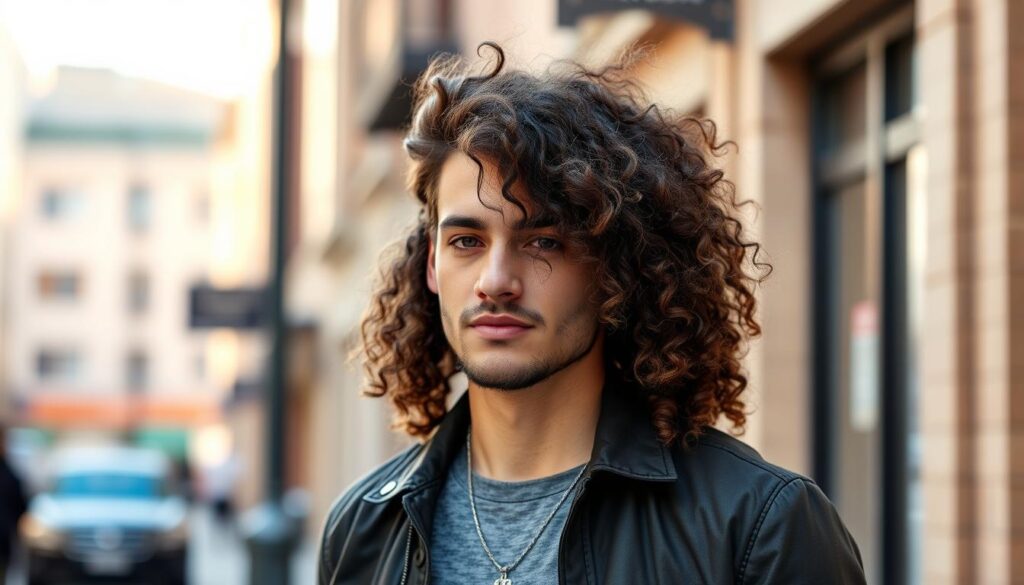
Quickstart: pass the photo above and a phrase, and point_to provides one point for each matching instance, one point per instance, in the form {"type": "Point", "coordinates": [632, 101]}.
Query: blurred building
{"type": "Point", "coordinates": [883, 142]}
{"type": "Point", "coordinates": [112, 228]}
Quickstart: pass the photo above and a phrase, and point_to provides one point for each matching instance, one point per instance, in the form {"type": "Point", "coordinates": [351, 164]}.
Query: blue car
{"type": "Point", "coordinates": [109, 513]}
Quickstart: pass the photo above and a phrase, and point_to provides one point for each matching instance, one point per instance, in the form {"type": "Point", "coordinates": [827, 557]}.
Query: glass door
{"type": "Point", "coordinates": [867, 261]}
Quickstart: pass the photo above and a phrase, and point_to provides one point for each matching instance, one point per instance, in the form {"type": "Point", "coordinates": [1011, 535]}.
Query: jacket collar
{"type": "Point", "coordinates": [625, 444]}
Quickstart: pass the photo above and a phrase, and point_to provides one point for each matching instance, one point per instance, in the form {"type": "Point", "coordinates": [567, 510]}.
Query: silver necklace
{"type": "Point", "coordinates": [504, 570]}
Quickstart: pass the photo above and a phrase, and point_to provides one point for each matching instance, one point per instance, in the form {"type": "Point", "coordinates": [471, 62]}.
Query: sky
{"type": "Point", "coordinates": [217, 47]}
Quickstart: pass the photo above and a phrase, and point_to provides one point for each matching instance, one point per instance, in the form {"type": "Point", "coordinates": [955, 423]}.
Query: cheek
{"type": "Point", "coordinates": [574, 282]}
{"type": "Point", "coordinates": [446, 323]}
{"type": "Point", "coordinates": [567, 294]}
{"type": "Point", "coordinates": [451, 296]}
{"type": "Point", "coordinates": [447, 281]}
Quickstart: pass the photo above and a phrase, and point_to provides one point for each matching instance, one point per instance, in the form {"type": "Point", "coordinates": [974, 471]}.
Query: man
{"type": "Point", "coordinates": [579, 260]}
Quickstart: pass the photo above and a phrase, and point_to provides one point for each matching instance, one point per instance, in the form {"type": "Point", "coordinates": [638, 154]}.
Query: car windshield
{"type": "Point", "coordinates": [107, 485]}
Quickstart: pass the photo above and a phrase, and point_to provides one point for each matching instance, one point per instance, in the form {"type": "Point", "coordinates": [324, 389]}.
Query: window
{"type": "Point", "coordinates": [138, 292]}
{"type": "Point", "coordinates": [867, 166]}
{"type": "Point", "coordinates": [58, 204]}
{"type": "Point", "coordinates": [139, 207]}
{"type": "Point", "coordinates": [137, 370]}
{"type": "Point", "coordinates": [59, 285]}
{"type": "Point", "coordinates": [901, 92]}
{"type": "Point", "coordinates": [58, 365]}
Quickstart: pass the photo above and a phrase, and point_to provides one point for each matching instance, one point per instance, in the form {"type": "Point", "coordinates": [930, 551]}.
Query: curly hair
{"type": "Point", "coordinates": [632, 186]}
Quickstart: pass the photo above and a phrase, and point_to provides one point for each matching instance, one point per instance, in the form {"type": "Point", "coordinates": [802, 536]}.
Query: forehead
{"type": "Point", "coordinates": [457, 197]}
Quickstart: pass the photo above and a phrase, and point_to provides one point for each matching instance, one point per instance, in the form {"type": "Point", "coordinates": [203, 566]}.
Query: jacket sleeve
{"type": "Point", "coordinates": [800, 538]}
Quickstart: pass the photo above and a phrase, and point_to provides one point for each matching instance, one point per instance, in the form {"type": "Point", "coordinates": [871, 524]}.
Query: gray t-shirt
{"type": "Point", "coordinates": [510, 515]}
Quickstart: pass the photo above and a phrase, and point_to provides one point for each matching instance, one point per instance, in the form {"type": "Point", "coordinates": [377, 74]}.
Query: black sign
{"type": "Point", "coordinates": [236, 308]}
{"type": "Point", "coordinates": [716, 16]}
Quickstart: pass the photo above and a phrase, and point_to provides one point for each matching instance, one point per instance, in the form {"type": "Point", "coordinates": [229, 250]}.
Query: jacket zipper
{"type": "Point", "coordinates": [413, 527]}
{"type": "Point", "coordinates": [568, 521]}
{"type": "Point", "coordinates": [405, 564]}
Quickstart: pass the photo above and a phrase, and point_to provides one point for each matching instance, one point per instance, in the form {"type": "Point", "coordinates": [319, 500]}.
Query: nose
{"type": "Point", "coordinates": [499, 280]}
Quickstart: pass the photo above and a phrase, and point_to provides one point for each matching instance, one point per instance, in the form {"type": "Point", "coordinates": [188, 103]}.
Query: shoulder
{"type": "Point", "coordinates": [722, 458]}
{"type": "Point", "coordinates": [730, 468]}
{"type": "Point", "coordinates": [338, 524]}
{"type": "Point", "coordinates": [784, 514]}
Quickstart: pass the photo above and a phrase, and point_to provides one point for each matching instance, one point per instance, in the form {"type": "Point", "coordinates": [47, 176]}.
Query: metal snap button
{"type": "Point", "coordinates": [388, 487]}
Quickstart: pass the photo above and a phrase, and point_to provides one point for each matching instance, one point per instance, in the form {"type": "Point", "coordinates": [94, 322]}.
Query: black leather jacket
{"type": "Point", "coordinates": [644, 513]}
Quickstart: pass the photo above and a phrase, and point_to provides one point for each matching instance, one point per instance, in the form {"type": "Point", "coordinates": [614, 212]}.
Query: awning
{"type": "Point", "coordinates": [105, 411]}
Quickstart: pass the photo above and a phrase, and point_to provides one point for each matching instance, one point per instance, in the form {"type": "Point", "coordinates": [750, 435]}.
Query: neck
{"type": "Point", "coordinates": [538, 431]}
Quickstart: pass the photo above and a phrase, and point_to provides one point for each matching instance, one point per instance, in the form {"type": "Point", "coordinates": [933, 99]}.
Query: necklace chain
{"type": "Point", "coordinates": [506, 569]}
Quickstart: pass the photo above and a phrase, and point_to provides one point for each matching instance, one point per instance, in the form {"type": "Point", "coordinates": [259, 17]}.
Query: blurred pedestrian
{"type": "Point", "coordinates": [579, 257]}
{"type": "Point", "coordinates": [12, 505]}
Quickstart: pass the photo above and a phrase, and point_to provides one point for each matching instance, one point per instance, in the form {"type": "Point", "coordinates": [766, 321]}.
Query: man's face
{"type": "Point", "coordinates": [481, 266]}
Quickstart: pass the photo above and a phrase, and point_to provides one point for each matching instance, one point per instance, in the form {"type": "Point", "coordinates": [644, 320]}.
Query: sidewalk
{"type": "Point", "coordinates": [219, 556]}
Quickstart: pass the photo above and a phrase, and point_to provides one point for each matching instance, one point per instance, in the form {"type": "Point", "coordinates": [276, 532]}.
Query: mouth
{"type": "Point", "coordinates": [500, 331]}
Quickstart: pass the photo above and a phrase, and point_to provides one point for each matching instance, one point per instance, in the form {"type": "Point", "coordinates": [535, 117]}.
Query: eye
{"type": "Point", "coordinates": [459, 239]}
{"type": "Point", "coordinates": [552, 244]}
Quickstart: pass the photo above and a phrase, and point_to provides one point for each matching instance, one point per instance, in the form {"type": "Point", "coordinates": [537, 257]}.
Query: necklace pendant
{"type": "Point", "coordinates": [503, 580]}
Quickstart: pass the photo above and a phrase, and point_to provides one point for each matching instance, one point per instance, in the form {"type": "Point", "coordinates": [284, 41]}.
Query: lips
{"type": "Point", "coordinates": [498, 321]}
{"type": "Point", "coordinates": [499, 326]}
{"type": "Point", "coordinates": [500, 331]}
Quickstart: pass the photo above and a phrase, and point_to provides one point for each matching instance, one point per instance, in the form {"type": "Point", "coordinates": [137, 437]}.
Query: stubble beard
{"type": "Point", "coordinates": [511, 377]}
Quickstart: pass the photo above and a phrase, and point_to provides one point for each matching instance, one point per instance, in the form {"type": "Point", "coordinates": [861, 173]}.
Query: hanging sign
{"type": "Point", "coordinates": [715, 16]}
{"type": "Point", "coordinates": [237, 308]}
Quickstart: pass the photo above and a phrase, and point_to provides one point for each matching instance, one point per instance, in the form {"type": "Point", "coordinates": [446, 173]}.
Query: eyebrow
{"type": "Point", "coordinates": [470, 222]}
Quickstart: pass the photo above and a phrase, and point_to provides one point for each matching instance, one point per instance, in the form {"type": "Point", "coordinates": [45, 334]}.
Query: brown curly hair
{"type": "Point", "coordinates": [629, 184]}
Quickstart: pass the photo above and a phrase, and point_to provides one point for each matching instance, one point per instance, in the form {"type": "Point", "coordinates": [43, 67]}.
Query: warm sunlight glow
{"type": "Point", "coordinates": [218, 47]}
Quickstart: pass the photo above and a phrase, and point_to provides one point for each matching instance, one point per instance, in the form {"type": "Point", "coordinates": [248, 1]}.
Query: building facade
{"type": "Point", "coordinates": [112, 227]}
{"type": "Point", "coordinates": [883, 143]}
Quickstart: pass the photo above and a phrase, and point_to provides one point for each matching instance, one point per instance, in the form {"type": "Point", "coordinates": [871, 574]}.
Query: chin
{"type": "Point", "coordinates": [505, 377]}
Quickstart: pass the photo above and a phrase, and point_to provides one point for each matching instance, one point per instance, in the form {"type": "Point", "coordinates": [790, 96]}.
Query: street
{"type": "Point", "coordinates": [217, 556]}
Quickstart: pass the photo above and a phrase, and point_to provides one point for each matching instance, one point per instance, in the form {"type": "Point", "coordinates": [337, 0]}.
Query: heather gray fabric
{"type": "Point", "coordinates": [510, 515]}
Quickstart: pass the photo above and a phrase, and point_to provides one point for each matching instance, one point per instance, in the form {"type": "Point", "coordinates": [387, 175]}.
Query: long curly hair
{"type": "Point", "coordinates": [632, 186]}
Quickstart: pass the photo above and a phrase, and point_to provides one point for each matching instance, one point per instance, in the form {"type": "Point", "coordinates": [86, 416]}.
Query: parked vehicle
{"type": "Point", "coordinates": [108, 512]}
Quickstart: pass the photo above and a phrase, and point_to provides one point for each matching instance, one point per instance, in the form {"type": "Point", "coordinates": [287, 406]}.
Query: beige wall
{"type": "Point", "coordinates": [526, 29]}
{"type": "Point", "coordinates": [998, 122]}
{"type": "Point", "coordinates": [973, 419]}
{"type": "Point", "coordinates": [773, 134]}
{"type": "Point", "coordinates": [778, 21]}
